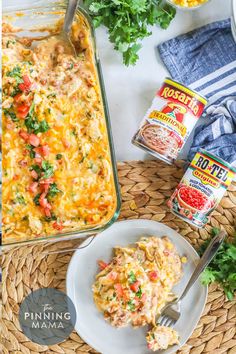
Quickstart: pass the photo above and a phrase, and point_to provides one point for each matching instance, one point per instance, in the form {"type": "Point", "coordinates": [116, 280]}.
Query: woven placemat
{"type": "Point", "coordinates": [145, 187]}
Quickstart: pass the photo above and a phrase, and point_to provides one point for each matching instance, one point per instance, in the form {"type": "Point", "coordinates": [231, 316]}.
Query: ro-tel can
{"type": "Point", "coordinates": [168, 123]}
{"type": "Point", "coordinates": [201, 188]}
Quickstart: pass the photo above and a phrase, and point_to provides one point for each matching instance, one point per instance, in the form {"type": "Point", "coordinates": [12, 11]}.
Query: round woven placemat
{"type": "Point", "coordinates": [145, 187]}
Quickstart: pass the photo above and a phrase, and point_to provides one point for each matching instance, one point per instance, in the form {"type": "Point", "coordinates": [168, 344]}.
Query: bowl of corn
{"type": "Point", "coordinates": [187, 4]}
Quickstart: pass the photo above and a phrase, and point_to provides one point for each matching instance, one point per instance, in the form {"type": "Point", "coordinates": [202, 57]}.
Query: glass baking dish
{"type": "Point", "coordinates": [31, 21]}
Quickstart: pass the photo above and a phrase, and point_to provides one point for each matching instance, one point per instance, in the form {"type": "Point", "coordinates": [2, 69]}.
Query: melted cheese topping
{"type": "Point", "coordinates": [135, 286]}
{"type": "Point", "coordinates": [57, 173]}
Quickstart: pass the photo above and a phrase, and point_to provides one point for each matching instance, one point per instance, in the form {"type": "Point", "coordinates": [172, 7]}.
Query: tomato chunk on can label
{"type": "Point", "coordinates": [201, 188]}
{"type": "Point", "coordinates": [169, 121]}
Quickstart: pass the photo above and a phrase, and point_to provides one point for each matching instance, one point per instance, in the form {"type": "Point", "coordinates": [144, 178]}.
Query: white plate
{"type": "Point", "coordinates": [82, 269]}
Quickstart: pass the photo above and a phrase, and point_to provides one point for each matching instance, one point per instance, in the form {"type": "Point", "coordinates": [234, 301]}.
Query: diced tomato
{"type": "Point", "coordinates": [25, 86]}
{"type": "Point", "coordinates": [38, 161]}
{"type": "Point", "coordinates": [24, 135]}
{"type": "Point", "coordinates": [34, 174]}
{"type": "Point", "coordinates": [102, 265]}
{"type": "Point", "coordinates": [57, 225]}
{"type": "Point", "coordinates": [47, 212]}
{"type": "Point", "coordinates": [18, 98]}
{"type": "Point", "coordinates": [22, 163]}
{"type": "Point", "coordinates": [43, 82]}
{"type": "Point", "coordinates": [143, 297]}
{"type": "Point", "coordinates": [16, 177]}
{"type": "Point", "coordinates": [166, 253]}
{"type": "Point", "coordinates": [33, 187]}
{"type": "Point", "coordinates": [135, 286]}
{"type": "Point", "coordinates": [112, 275]}
{"type": "Point", "coordinates": [66, 143]}
{"type": "Point", "coordinates": [10, 125]}
{"type": "Point", "coordinates": [23, 110]}
{"type": "Point", "coordinates": [43, 150]}
{"type": "Point", "coordinates": [119, 290]}
{"type": "Point", "coordinates": [45, 187]}
{"type": "Point", "coordinates": [153, 275]}
{"type": "Point", "coordinates": [27, 81]}
{"type": "Point", "coordinates": [42, 200]}
{"type": "Point", "coordinates": [22, 115]}
{"type": "Point", "coordinates": [47, 180]}
{"type": "Point", "coordinates": [34, 140]}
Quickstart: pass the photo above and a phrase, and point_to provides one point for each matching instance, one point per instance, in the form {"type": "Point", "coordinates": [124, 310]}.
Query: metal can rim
{"type": "Point", "coordinates": [186, 89]}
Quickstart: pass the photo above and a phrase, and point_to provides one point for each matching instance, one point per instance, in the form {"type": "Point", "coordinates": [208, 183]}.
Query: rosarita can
{"type": "Point", "coordinates": [201, 188]}
{"type": "Point", "coordinates": [169, 121]}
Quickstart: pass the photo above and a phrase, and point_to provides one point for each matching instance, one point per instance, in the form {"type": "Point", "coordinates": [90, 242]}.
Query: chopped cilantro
{"type": "Point", "coordinates": [36, 199]}
{"type": "Point", "coordinates": [53, 190]}
{"type": "Point", "coordinates": [131, 305]}
{"type": "Point", "coordinates": [47, 169]}
{"type": "Point", "coordinates": [52, 218]}
{"type": "Point", "coordinates": [52, 95]}
{"type": "Point", "coordinates": [30, 148]}
{"type": "Point", "coordinates": [37, 169]}
{"type": "Point", "coordinates": [132, 278]}
{"type": "Point", "coordinates": [11, 114]}
{"type": "Point", "coordinates": [34, 126]}
{"type": "Point", "coordinates": [58, 156]}
{"type": "Point", "coordinates": [139, 292]}
{"type": "Point", "coordinates": [15, 91]}
{"type": "Point", "coordinates": [20, 199]}
{"type": "Point", "coordinates": [16, 74]}
{"type": "Point", "coordinates": [10, 42]}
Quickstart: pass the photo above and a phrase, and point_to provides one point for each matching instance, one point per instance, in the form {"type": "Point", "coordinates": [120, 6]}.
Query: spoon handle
{"type": "Point", "coordinates": [204, 261]}
{"type": "Point", "coordinates": [69, 16]}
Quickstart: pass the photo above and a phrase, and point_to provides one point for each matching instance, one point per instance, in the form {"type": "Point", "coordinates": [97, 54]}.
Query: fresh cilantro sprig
{"type": "Point", "coordinates": [222, 268]}
{"type": "Point", "coordinates": [16, 74]}
{"type": "Point", "coordinates": [131, 277]}
{"type": "Point", "coordinates": [128, 22]}
{"type": "Point", "coordinates": [53, 190]}
{"type": "Point", "coordinates": [33, 125]}
{"type": "Point", "coordinates": [11, 114]}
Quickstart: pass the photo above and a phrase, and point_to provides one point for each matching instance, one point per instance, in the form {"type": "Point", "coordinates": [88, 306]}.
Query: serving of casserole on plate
{"type": "Point", "coordinates": [59, 175]}
{"type": "Point", "coordinates": [131, 291]}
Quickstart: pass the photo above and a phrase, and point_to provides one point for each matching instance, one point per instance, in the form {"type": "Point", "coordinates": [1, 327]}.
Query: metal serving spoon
{"type": "Point", "coordinates": [171, 312]}
{"type": "Point", "coordinates": [64, 34]}
{"type": "Point", "coordinates": [69, 17]}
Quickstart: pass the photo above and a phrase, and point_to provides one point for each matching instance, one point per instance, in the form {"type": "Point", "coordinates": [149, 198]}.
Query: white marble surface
{"type": "Point", "coordinates": [131, 90]}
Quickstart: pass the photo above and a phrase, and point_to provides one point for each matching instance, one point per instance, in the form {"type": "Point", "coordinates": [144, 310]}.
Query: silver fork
{"type": "Point", "coordinates": [171, 312]}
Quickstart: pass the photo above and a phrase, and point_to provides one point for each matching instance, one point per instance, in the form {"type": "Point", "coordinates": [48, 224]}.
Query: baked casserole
{"type": "Point", "coordinates": [58, 174]}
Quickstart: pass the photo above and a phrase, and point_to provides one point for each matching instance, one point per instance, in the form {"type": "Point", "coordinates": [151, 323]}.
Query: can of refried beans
{"type": "Point", "coordinates": [169, 121]}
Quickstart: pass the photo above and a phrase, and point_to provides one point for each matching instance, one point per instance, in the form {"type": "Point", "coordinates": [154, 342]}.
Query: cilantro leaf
{"type": "Point", "coordinates": [131, 305]}
{"type": "Point", "coordinates": [128, 22]}
{"type": "Point", "coordinates": [139, 292]}
{"type": "Point", "coordinates": [131, 277]}
{"type": "Point", "coordinates": [36, 199]}
{"type": "Point", "coordinates": [53, 190]}
{"type": "Point", "coordinates": [47, 169]}
{"type": "Point", "coordinates": [222, 268]}
{"type": "Point", "coordinates": [16, 74]}
{"type": "Point", "coordinates": [11, 114]}
{"type": "Point", "coordinates": [20, 199]}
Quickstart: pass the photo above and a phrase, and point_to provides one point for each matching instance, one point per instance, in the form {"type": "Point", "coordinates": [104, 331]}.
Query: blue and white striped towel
{"type": "Point", "coordinates": [205, 60]}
